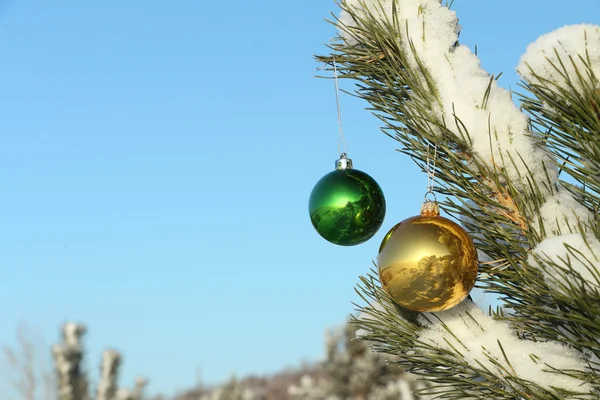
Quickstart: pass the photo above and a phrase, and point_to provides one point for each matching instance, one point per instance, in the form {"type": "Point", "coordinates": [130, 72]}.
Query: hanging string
{"type": "Point", "coordinates": [431, 170]}
{"type": "Point", "coordinates": [341, 137]}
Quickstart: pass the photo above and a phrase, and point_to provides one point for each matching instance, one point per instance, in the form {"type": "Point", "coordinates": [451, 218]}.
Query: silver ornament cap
{"type": "Point", "coordinates": [343, 163]}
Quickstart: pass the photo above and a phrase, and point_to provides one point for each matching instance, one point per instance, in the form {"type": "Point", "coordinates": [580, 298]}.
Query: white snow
{"type": "Point", "coordinates": [566, 45]}
{"type": "Point", "coordinates": [479, 335]}
{"type": "Point", "coordinates": [561, 213]}
{"type": "Point", "coordinates": [496, 128]}
{"type": "Point", "coordinates": [569, 251]}
{"type": "Point", "coordinates": [565, 245]}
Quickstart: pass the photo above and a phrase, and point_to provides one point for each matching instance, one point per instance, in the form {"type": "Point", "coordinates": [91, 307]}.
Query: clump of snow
{"type": "Point", "coordinates": [579, 256]}
{"type": "Point", "coordinates": [561, 214]}
{"type": "Point", "coordinates": [380, 8]}
{"type": "Point", "coordinates": [496, 127]}
{"type": "Point", "coordinates": [476, 335]}
{"type": "Point", "coordinates": [567, 255]}
{"type": "Point", "coordinates": [565, 45]}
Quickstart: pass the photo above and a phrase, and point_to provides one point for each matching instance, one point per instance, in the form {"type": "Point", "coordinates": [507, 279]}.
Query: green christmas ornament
{"type": "Point", "coordinates": [346, 206]}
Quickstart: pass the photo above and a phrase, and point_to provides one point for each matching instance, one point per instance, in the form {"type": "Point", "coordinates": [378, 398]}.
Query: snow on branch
{"type": "Point", "coordinates": [469, 97]}
{"type": "Point", "coordinates": [568, 260]}
{"type": "Point", "coordinates": [484, 341]}
{"type": "Point", "coordinates": [560, 59]}
{"type": "Point", "coordinates": [561, 214]}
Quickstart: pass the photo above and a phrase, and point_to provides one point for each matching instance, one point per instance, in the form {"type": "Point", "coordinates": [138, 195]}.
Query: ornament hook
{"type": "Point", "coordinates": [343, 162]}
{"type": "Point", "coordinates": [431, 169]}
{"type": "Point", "coordinates": [432, 193]}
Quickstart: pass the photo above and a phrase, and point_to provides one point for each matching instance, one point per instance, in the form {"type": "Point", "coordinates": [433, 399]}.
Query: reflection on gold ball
{"type": "Point", "coordinates": [427, 263]}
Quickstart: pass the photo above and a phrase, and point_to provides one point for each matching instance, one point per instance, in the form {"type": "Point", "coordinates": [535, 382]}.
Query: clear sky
{"type": "Point", "coordinates": [156, 160]}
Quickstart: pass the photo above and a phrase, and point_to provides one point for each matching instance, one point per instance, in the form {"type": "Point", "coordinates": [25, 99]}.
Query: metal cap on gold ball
{"type": "Point", "coordinates": [346, 206]}
{"type": "Point", "coordinates": [427, 262]}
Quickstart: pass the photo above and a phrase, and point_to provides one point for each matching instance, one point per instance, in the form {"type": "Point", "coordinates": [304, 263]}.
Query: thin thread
{"type": "Point", "coordinates": [431, 170]}
{"type": "Point", "coordinates": [341, 137]}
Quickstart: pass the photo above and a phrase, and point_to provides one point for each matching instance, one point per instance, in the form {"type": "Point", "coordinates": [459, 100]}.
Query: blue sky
{"type": "Point", "coordinates": [156, 160]}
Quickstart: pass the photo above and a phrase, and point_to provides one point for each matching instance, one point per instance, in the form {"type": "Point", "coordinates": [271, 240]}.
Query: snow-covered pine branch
{"type": "Point", "coordinates": [504, 178]}
{"type": "Point", "coordinates": [469, 100]}
{"type": "Point", "coordinates": [561, 71]}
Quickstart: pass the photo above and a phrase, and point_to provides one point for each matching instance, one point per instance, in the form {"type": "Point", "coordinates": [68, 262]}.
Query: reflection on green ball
{"type": "Point", "coordinates": [347, 207]}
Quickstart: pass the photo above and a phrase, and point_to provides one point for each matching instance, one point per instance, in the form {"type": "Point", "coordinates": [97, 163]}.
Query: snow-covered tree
{"type": "Point", "coordinates": [354, 372]}
{"type": "Point", "coordinates": [234, 389]}
{"type": "Point", "coordinates": [524, 181]}
{"type": "Point", "coordinates": [350, 371]}
{"type": "Point", "coordinates": [308, 388]}
{"type": "Point", "coordinates": [72, 379]}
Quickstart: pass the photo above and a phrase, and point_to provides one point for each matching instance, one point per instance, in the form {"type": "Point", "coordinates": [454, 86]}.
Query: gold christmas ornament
{"type": "Point", "coordinates": [427, 262]}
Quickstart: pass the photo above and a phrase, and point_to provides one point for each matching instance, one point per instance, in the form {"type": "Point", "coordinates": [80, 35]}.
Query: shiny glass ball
{"type": "Point", "coordinates": [347, 207]}
{"type": "Point", "coordinates": [427, 263]}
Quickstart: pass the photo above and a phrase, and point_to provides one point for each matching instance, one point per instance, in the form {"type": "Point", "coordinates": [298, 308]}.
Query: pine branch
{"type": "Point", "coordinates": [403, 99]}
{"type": "Point", "coordinates": [451, 374]}
{"type": "Point", "coordinates": [499, 199]}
